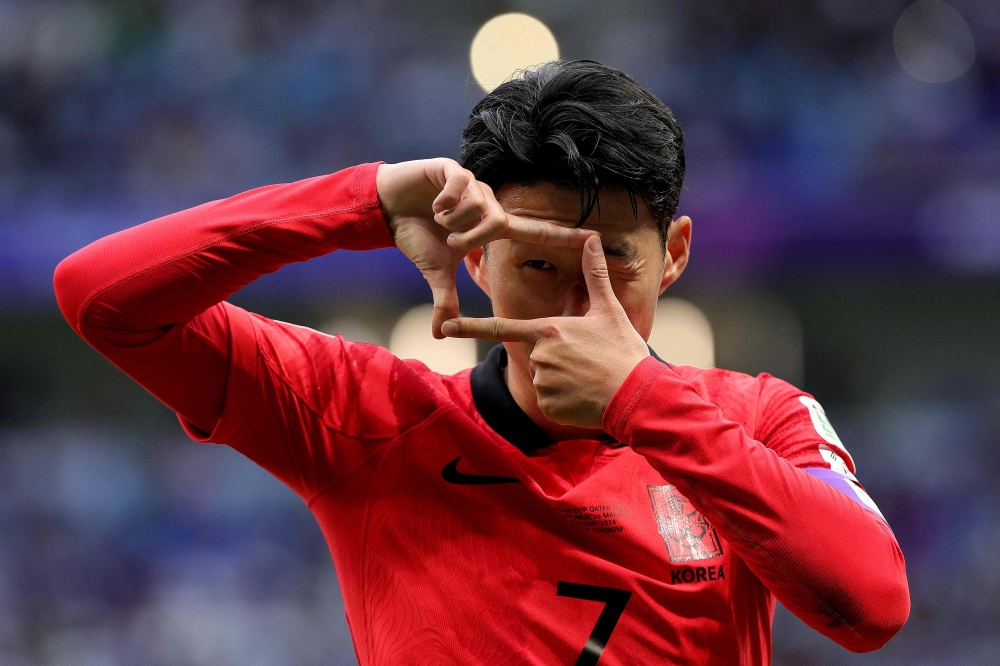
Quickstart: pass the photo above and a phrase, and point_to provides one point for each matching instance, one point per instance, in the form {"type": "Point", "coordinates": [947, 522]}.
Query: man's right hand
{"type": "Point", "coordinates": [438, 212]}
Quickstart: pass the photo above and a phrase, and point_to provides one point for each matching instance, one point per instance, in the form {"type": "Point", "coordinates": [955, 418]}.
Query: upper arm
{"type": "Point", "coordinates": [794, 425]}
{"type": "Point", "coordinates": [309, 407]}
{"type": "Point", "coordinates": [186, 366]}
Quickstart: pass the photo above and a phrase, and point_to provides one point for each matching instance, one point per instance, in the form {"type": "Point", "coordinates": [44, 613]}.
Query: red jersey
{"type": "Point", "coordinates": [460, 532]}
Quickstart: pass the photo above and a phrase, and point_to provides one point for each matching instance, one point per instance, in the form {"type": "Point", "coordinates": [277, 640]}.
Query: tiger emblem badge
{"type": "Point", "coordinates": [688, 534]}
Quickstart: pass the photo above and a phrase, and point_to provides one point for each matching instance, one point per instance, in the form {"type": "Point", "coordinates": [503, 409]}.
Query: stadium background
{"type": "Point", "coordinates": [847, 238]}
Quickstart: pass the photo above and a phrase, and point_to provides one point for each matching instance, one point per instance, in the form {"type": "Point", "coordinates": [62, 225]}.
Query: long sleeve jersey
{"type": "Point", "coordinates": [460, 533]}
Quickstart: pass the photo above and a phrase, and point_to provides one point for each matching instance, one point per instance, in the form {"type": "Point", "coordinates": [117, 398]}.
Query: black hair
{"type": "Point", "coordinates": [581, 125]}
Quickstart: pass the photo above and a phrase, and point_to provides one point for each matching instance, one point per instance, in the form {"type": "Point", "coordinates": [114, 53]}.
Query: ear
{"type": "Point", "coordinates": [475, 263]}
{"type": "Point", "coordinates": [678, 251]}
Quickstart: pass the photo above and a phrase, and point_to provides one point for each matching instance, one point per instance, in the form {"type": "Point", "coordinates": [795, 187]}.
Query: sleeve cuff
{"type": "Point", "coordinates": [631, 394]}
{"type": "Point", "coordinates": [375, 228]}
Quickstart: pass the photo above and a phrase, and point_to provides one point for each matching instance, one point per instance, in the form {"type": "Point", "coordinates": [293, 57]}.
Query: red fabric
{"type": "Point", "coordinates": [695, 526]}
{"type": "Point", "coordinates": [826, 558]}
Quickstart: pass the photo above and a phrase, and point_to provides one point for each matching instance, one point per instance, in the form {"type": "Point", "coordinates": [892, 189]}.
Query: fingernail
{"type": "Point", "coordinates": [449, 328]}
{"type": "Point", "coordinates": [597, 248]}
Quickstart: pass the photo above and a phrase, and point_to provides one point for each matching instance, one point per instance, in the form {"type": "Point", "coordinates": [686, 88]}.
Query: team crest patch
{"type": "Point", "coordinates": [688, 534]}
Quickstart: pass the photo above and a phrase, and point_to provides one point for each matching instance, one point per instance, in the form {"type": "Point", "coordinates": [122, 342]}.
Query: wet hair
{"type": "Point", "coordinates": [581, 125]}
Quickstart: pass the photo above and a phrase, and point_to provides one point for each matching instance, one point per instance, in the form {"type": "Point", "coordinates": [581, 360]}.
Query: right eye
{"type": "Point", "coordinates": [538, 264]}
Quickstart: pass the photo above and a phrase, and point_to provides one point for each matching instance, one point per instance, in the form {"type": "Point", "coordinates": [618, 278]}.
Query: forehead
{"type": "Point", "coordinates": [562, 206]}
{"type": "Point", "coordinates": [624, 232]}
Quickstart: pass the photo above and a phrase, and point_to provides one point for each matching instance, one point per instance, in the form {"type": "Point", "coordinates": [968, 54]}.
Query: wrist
{"type": "Point", "coordinates": [384, 194]}
{"type": "Point", "coordinates": [375, 222]}
{"type": "Point", "coordinates": [629, 395]}
{"type": "Point", "coordinates": [617, 377]}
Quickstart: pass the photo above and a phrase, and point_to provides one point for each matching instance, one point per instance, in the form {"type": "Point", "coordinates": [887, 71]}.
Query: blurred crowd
{"type": "Point", "coordinates": [805, 135]}
{"type": "Point", "coordinates": [818, 163]}
{"type": "Point", "coordinates": [118, 551]}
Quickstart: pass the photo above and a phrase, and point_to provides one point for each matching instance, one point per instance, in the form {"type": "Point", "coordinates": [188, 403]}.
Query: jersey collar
{"type": "Point", "coordinates": [499, 409]}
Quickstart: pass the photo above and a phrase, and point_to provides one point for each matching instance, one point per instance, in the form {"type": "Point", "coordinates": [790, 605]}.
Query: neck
{"type": "Point", "coordinates": [523, 391]}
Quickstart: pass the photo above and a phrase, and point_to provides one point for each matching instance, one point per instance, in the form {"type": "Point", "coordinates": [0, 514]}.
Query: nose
{"type": "Point", "coordinates": [577, 301]}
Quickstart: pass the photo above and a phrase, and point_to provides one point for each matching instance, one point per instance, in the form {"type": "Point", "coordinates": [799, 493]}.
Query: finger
{"type": "Point", "coordinates": [595, 272]}
{"type": "Point", "coordinates": [492, 225]}
{"type": "Point", "coordinates": [457, 180]}
{"type": "Point", "coordinates": [538, 232]}
{"type": "Point", "coordinates": [488, 229]}
{"type": "Point", "coordinates": [445, 294]}
{"type": "Point", "coordinates": [496, 329]}
{"type": "Point", "coordinates": [466, 213]}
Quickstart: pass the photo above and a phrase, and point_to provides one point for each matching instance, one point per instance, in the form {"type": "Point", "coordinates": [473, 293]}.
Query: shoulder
{"type": "Point", "coordinates": [767, 406]}
{"type": "Point", "coordinates": [719, 383]}
{"type": "Point", "coordinates": [353, 385]}
{"type": "Point", "coordinates": [737, 394]}
{"type": "Point", "coordinates": [781, 416]}
{"type": "Point", "coordinates": [763, 392]}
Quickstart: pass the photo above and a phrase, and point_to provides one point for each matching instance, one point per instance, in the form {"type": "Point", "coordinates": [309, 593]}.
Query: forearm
{"type": "Point", "coordinates": [129, 286]}
{"type": "Point", "coordinates": [826, 558]}
{"type": "Point", "coordinates": [149, 298]}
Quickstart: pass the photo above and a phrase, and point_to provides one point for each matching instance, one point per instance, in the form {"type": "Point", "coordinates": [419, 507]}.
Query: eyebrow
{"type": "Point", "coordinates": [624, 251]}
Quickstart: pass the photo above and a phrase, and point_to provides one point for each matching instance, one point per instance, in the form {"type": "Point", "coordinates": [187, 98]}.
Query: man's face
{"type": "Point", "coordinates": [532, 281]}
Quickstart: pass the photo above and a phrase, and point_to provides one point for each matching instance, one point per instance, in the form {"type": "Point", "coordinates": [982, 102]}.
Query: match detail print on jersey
{"type": "Point", "coordinates": [688, 534]}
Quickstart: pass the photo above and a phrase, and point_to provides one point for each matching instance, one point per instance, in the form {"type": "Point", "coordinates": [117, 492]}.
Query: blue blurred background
{"type": "Point", "coordinates": [844, 179]}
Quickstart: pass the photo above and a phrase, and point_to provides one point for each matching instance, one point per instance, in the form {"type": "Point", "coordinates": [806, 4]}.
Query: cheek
{"type": "Point", "coordinates": [519, 294]}
{"type": "Point", "coordinates": [639, 303]}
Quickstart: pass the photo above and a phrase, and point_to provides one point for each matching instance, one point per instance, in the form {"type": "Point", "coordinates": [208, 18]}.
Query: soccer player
{"type": "Point", "coordinates": [571, 500]}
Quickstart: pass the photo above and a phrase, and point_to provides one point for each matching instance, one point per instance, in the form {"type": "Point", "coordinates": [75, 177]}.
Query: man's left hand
{"type": "Point", "coordinates": [577, 363]}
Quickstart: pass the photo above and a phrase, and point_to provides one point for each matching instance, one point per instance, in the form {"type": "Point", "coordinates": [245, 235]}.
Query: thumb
{"type": "Point", "coordinates": [445, 294]}
{"type": "Point", "coordinates": [595, 272]}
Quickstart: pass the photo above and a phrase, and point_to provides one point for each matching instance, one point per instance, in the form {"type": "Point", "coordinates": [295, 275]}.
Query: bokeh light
{"type": "Point", "coordinates": [411, 338]}
{"type": "Point", "coordinates": [756, 333]}
{"type": "Point", "coordinates": [508, 43]}
{"type": "Point", "coordinates": [933, 42]}
{"type": "Point", "coordinates": [353, 329]}
{"type": "Point", "coordinates": [682, 334]}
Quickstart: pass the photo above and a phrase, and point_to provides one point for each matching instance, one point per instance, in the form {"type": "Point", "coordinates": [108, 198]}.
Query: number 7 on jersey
{"type": "Point", "coordinates": [614, 600]}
